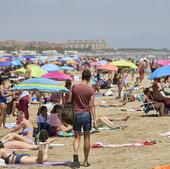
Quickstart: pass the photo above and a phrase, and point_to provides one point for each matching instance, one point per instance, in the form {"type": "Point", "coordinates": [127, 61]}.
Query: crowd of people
{"type": "Point", "coordinates": [82, 95]}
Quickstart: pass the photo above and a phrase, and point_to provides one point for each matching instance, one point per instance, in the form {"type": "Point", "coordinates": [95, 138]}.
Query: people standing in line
{"type": "Point", "coordinates": [84, 108]}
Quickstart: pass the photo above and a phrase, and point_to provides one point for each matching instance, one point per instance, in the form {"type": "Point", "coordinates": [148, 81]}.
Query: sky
{"type": "Point", "coordinates": [122, 23]}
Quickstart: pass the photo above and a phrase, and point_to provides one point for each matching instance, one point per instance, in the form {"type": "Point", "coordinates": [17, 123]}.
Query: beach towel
{"type": "Point", "coordinates": [132, 109]}
{"type": "Point", "coordinates": [101, 145]}
{"type": "Point", "coordinates": [45, 164]}
{"type": "Point", "coordinates": [162, 167]}
{"type": "Point", "coordinates": [56, 145]}
{"type": "Point", "coordinates": [65, 134]}
{"type": "Point", "coordinates": [166, 134]}
{"type": "Point", "coordinates": [10, 125]}
{"type": "Point", "coordinates": [106, 128]}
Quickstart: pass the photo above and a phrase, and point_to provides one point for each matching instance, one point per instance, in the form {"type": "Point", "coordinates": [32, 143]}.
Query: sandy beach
{"type": "Point", "coordinates": [140, 128]}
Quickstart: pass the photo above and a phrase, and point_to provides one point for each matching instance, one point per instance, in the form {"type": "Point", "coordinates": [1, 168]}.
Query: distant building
{"type": "Point", "coordinates": [84, 44]}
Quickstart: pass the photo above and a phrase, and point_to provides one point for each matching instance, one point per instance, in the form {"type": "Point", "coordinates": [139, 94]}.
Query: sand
{"type": "Point", "coordinates": [140, 128]}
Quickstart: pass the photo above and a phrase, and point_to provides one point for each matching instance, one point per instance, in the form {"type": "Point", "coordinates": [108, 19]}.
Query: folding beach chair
{"type": "Point", "coordinates": [147, 106]}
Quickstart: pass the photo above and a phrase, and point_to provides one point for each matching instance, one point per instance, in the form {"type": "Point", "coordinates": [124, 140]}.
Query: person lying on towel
{"type": "Point", "coordinates": [11, 157]}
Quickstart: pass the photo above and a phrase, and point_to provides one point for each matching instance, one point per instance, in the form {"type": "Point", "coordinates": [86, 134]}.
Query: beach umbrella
{"type": "Point", "coordinates": [93, 63]}
{"type": "Point", "coordinates": [4, 59]}
{"type": "Point", "coordinates": [58, 76]}
{"type": "Point", "coordinates": [53, 58]}
{"type": "Point", "coordinates": [40, 84]}
{"type": "Point", "coordinates": [163, 62]}
{"type": "Point", "coordinates": [5, 64]}
{"type": "Point", "coordinates": [107, 67]}
{"type": "Point", "coordinates": [102, 62]}
{"type": "Point", "coordinates": [36, 71]}
{"type": "Point", "coordinates": [16, 62]}
{"type": "Point", "coordinates": [71, 62]}
{"type": "Point", "coordinates": [66, 68]}
{"type": "Point", "coordinates": [66, 58]}
{"type": "Point", "coordinates": [50, 67]}
{"type": "Point", "coordinates": [160, 72]}
{"type": "Point", "coordinates": [124, 63]}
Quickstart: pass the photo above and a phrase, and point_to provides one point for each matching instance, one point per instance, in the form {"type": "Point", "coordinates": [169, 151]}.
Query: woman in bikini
{"type": "Point", "coordinates": [26, 135]}
{"type": "Point", "coordinates": [11, 157]}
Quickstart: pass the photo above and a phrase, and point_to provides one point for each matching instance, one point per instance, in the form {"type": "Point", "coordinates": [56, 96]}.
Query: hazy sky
{"type": "Point", "coordinates": [123, 23]}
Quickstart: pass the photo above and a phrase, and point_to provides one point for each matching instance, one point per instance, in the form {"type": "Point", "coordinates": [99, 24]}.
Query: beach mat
{"type": "Point", "coordinates": [45, 164]}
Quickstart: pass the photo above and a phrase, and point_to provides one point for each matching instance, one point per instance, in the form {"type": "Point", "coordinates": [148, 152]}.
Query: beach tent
{"type": "Point", "coordinates": [40, 84]}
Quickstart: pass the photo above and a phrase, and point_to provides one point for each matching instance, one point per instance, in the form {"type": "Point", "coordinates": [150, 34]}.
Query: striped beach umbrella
{"type": "Point", "coordinates": [41, 84]}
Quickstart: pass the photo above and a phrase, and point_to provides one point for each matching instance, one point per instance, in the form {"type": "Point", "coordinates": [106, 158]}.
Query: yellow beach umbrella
{"type": "Point", "coordinates": [36, 71]}
{"type": "Point", "coordinates": [124, 63]}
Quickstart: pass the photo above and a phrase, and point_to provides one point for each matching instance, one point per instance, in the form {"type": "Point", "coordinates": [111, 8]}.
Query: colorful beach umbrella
{"type": "Point", "coordinates": [5, 64]}
{"type": "Point", "coordinates": [58, 76]}
{"type": "Point", "coordinates": [50, 67]}
{"type": "Point", "coordinates": [66, 68]}
{"type": "Point", "coordinates": [36, 70]}
{"type": "Point", "coordinates": [160, 72]}
{"type": "Point", "coordinates": [163, 62]}
{"type": "Point", "coordinates": [124, 63]}
{"type": "Point", "coordinates": [108, 67]}
{"type": "Point", "coordinates": [40, 84]}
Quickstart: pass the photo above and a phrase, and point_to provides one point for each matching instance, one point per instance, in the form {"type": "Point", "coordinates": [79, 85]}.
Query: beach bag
{"type": "Point", "coordinates": [67, 113]}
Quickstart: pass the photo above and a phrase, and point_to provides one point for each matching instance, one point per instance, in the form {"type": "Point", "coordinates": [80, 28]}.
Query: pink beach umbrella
{"type": "Point", "coordinates": [163, 62]}
{"type": "Point", "coordinates": [58, 76]}
{"type": "Point", "coordinates": [107, 67]}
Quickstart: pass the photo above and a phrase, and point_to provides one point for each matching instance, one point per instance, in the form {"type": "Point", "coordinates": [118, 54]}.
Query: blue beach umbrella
{"type": "Point", "coordinates": [5, 64]}
{"type": "Point", "coordinates": [41, 84]}
{"type": "Point", "coordinates": [160, 72]}
{"type": "Point", "coordinates": [16, 62]}
{"type": "Point", "coordinates": [66, 68]}
{"type": "Point", "coordinates": [102, 62]}
{"type": "Point", "coordinates": [66, 58]}
{"type": "Point", "coordinates": [50, 67]}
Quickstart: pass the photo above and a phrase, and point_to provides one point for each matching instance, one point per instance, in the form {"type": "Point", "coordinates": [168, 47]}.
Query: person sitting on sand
{"type": "Point", "coordinates": [26, 135]}
{"type": "Point", "coordinates": [43, 119]}
{"type": "Point", "coordinates": [11, 157]}
{"type": "Point", "coordinates": [55, 121]}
